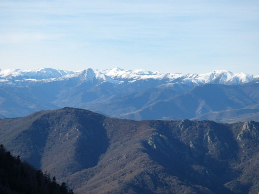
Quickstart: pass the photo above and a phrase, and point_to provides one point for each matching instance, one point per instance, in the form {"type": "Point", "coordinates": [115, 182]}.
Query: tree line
{"type": "Point", "coordinates": [17, 177]}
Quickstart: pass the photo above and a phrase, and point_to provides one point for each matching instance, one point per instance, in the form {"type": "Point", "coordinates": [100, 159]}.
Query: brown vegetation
{"type": "Point", "coordinates": [96, 154]}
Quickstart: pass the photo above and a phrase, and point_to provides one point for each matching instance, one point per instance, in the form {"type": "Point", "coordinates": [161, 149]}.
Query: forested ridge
{"type": "Point", "coordinates": [97, 154]}
{"type": "Point", "coordinates": [17, 177]}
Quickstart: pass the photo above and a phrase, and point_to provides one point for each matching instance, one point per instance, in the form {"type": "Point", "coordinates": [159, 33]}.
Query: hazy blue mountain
{"type": "Point", "coordinates": [234, 115]}
{"type": "Point", "coordinates": [209, 98]}
{"type": "Point", "coordinates": [134, 94]}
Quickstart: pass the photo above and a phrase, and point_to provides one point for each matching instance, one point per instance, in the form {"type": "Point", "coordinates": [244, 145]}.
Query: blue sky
{"type": "Point", "coordinates": [184, 36]}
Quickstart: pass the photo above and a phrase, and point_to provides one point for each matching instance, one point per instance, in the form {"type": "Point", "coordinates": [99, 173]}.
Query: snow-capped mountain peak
{"type": "Point", "coordinates": [43, 73]}
{"type": "Point", "coordinates": [119, 76]}
{"type": "Point", "coordinates": [222, 77]}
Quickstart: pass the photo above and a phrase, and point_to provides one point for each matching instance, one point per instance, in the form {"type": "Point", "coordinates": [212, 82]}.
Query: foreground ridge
{"type": "Point", "coordinates": [98, 154]}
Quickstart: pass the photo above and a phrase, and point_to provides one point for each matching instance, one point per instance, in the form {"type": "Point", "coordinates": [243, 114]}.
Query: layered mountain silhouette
{"type": "Point", "coordinates": [221, 96]}
{"type": "Point", "coordinates": [200, 103]}
{"type": "Point", "coordinates": [97, 154]}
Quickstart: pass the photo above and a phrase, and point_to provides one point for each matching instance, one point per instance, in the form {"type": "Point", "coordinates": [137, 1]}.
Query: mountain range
{"type": "Point", "coordinates": [121, 76]}
{"type": "Point", "coordinates": [221, 96]}
{"type": "Point", "coordinates": [93, 153]}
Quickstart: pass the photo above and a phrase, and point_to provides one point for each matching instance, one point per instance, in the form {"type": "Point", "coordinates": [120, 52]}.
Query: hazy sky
{"type": "Point", "coordinates": [186, 36]}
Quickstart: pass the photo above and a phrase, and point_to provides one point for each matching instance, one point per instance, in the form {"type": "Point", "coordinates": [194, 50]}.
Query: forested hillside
{"type": "Point", "coordinates": [97, 154]}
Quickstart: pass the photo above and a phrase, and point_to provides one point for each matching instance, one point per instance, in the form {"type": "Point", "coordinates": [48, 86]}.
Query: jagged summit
{"type": "Point", "coordinates": [120, 76]}
{"type": "Point", "coordinates": [135, 94]}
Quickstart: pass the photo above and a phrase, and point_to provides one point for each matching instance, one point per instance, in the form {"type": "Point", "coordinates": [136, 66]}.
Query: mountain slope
{"type": "Point", "coordinates": [137, 100]}
{"type": "Point", "coordinates": [97, 154]}
{"type": "Point", "coordinates": [234, 115]}
{"type": "Point", "coordinates": [16, 101]}
{"type": "Point", "coordinates": [20, 177]}
{"type": "Point", "coordinates": [196, 102]}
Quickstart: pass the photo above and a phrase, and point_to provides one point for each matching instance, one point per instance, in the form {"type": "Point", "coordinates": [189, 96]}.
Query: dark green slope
{"type": "Point", "coordinates": [17, 177]}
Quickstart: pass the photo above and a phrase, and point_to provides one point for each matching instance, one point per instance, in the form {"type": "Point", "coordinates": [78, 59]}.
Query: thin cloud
{"type": "Point", "coordinates": [170, 29]}
{"type": "Point", "coordinates": [26, 38]}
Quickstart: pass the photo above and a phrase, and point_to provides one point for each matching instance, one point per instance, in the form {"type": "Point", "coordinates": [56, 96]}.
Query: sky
{"type": "Point", "coordinates": [176, 36]}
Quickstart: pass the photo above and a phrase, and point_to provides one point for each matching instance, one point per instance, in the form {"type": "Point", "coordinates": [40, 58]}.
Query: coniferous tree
{"type": "Point", "coordinates": [17, 177]}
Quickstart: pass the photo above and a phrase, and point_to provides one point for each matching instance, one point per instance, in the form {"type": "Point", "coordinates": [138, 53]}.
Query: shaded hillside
{"type": "Point", "coordinates": [19, 101]}
{"type": "Point", "coordinates": [17, 177]}
{"type": "Point", "coordinates": [137, 100]}
{"type": "Point", "coordinates": [234, 115]}
{"type": "Point", "coordinates": [97, 154]}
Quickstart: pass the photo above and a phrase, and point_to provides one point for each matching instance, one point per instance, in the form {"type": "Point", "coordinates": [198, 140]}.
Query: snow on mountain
{"type": "Point", "coordinates": [218, 77]}
{"type": "Point", "coordinates": [242, 78]}
{"type": "Point", "coordinates": [44, 73]}
{"type": "Point", "coordinates": [117, 73]}
{"type": "Point", "coordinates": [119, 76]}
{"type": "Point", "coordinates": [87, 75]}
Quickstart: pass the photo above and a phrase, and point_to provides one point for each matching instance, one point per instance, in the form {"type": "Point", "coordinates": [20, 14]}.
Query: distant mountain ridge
{"type": "Point", "coordinates": [131, 94]}
{"type": "Point", "coordinates": [121, 76]}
